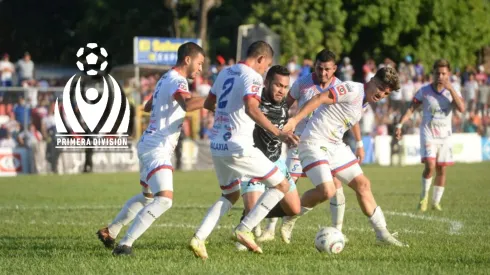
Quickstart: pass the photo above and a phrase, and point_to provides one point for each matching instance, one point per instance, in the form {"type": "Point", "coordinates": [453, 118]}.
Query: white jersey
{"type": "Point", "coordinates": [330, 121]}
{"type": "Point", "coordinates": [436, 113]}
{"type": "Point", "coordinates": [166, 114]}
{"type": "Point", "coordinates": [232, 132]}
{"type": "Point", "coordinates": [303, 90]}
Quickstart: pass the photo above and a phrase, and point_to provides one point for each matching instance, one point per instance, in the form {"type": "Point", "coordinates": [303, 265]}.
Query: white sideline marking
{"type": "Point", "coordinates": [188, 226]}
{"type": "Point", "coordinates": [454, 225]}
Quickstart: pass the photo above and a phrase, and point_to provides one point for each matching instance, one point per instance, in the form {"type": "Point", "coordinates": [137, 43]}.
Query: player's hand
{"type": "Point", "coordinates": [398, 133]}
{"type": "Point", "coordinates": [289, 138]}
{"type": "Point", "coordinates": [446, 84]}
{"type": "Point", "coordinates": [360, 154]}
{"type": "Point", "coordinates": [291, 125]}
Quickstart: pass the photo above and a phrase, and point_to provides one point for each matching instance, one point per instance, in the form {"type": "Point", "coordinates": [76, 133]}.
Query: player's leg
{"type": "Point", "coordinates": [337, 205]}
{"type": "Point", "coordinates": [444, 159]}
{"type": "Point", "coordinates": [277, 185]}
{"type": "Point", "coordinates": [316, 167]}
{"type": "Point", "coordinates": [107, 235]}
{"type": "Point", "coordinates": [160, 181]}
{"type": "Point", "coordinates": [251, 193]}
{"type": "Point", "coordinates": [428, 153]}
{"type": "Point", "coordinates": [229, 180]}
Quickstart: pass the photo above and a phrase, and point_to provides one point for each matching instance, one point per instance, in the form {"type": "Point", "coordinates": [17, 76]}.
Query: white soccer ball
{"type": "Point", "coordinates": [330, 240]}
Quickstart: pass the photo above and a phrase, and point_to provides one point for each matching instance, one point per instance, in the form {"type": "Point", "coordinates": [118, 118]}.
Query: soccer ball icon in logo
{"type": "Point", "coordinates": [92, 60]}
{"type": "Point", "coordinates": [330, 240]}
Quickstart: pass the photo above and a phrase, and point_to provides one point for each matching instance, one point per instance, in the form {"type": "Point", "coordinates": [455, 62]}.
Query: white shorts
{"type": "Point", "coordinates": [230, 171]}
{"type": "Point", "coordinates": [322, 161]}
{"type": "Point", "coordinates": [156, 170]}
{"type": "Point", "coordinates": [440, 151]}
{"type": "Point", "coordinates": [247, 186]}
{"type": "Point", "coordinates": [294, 164]}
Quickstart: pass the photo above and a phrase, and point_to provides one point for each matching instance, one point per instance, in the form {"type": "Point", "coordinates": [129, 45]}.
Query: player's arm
{"type": "Point", "coordinates": [293, 94]}
{"type": "Point", "coordinates": [356, 131]}
{"type": "Point", "coordinates": [253, 111]}
{"type": "Point", "coordinates": [148, 104]}
{"type": "Point", "coordinates": [308, 108]}
{"type": "Point", "coordinates": [188, 103]}
{"type": "Point", "coordinates": [408, 114]}
{"type": "Point", "coordinates": [210, 102]}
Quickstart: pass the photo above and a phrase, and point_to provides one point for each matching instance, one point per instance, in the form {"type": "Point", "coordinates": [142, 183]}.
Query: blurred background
{"type": "Point", "coordinates": [39, 40]}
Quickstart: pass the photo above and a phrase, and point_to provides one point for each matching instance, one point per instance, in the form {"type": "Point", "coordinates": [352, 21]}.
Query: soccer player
{"type": "Point", "coordinates": [171, 100]}
{"type": "Point", "coordinates": [438, 100]}
{"type": "Point", "coordinates": [322, 151]}
{"type": "Point", "coordinates": [274, 107]}
{"type": "Point", "coordinates": [237, 94]}
{"type": "Point", "coordinates": [322, 79]}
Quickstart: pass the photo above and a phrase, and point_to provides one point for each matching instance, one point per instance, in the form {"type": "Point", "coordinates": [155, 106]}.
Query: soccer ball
{"type": "Point", "coordinates": [92, 59]}
{"type": "Point", "coordinates": [330, 240]}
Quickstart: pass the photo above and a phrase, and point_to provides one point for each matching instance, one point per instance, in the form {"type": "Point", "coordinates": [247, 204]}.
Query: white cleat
{"type": "Point", "coordinates": [267, 236]}
{"type": "Point", "coordinates": [287, 228]}
{"type": "Point", "coordinates": [389, 239]}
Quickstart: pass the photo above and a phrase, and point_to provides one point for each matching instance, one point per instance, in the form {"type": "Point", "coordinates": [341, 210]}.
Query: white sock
{"type": "Point", "coordinates": [337, 208]}
{"type": "Point", "coordinates": [215, 212]}
{"type": "Point", "coordinates": [127, 213]}
{"type": "Point", "coordinates": [266, 202]}
{"type": "Point", "coordinates": [425, 187]}
{"type": "Point", "coordinates": [378, 222]}
{"type": "Point", "coordinates": [271, 224]}
{"type": "Point", "coordinates": [437, 194]}
{"type": "Point", "coordinates": [145, 218]}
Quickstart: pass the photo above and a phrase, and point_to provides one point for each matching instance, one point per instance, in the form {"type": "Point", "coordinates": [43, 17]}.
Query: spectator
{"type": "Point", "coordinates": [471, 88]}
{"type": "Point", "coordinates": [7, 69]}
{"type": "Point", "coordinates": [419, 68]}
{"type": "Point", "coordinates": [25, 67]}
{"type": "Point", "coordinates": [369, 70]}
{"type": "Point", "coordinates": [419, 82]}
{"type": "Point", "coordinates": [293, 68]}
{"type": "Point", "coordinates": [307, 65]}
{"type": "Point", "coordinates": [483, 94]}
{"type": "Point", "coordinates": [481, 75]}
{"type": "Point", "coordinates": [30, 92]}
{"type": "Point", "coordinates": [22, 112]}
{"type": "Point", "coordinates": [410, 68]}
{"type": "Point", "coordinates": [231, 62]}
{"type": "Point", "coordinates": [48, 130]}
{"type": "Point", "coordinates": [346, 70]}
{"type": "Point", "coordinates": [7, 141]}
{"type": "Point", "coordinates": [407, 90]}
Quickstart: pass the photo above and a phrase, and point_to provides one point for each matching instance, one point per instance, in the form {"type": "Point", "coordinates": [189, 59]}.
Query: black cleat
{"type": "Point", "coordinates": [105, 238]}
{"type": "Point", "coordinates": [122, 250]}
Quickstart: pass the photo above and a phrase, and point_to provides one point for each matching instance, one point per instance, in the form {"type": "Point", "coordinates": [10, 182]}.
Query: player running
{"type": "Point", "coordinates": [322, 79]}
{"type": "Point", "coordinates": [322, 152]}
{"type": "Point", "coordinates": [171, 100]}
{"type": "Point", "coordinates": [274, 107]}
{"type": "Point", "coordinates": [237, 94]}
{"type": "Point", "coordinates": [438, 100]}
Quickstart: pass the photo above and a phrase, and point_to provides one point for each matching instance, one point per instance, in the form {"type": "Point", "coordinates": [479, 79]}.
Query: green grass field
{"type": "Point", "coordinates": [48, 225]}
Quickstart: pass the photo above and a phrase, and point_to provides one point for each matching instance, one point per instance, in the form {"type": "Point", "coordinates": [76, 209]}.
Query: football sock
{"type": "Point", "coordinates": [215, 212]}
{"type": "Point", "coordinates": [425, 187]}
{"type": "Point", "coordinates": [337, 208]}
{"type": "Point", "coordinates": [378, 222]}
{"type": "Point", "coordinates": [264, 205]}
{"type": "Point", "coordinates": [437, 194]}
{"type": "Point", "coordinates": [127, 213]}
{"type": "Point", "coordinates": [145, 218]}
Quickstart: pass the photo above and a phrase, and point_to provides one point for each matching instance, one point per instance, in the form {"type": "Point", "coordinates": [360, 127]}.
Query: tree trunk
{"type": "Point", "coordinates": [172, 6]}
{"type": "Point", "coordinates": [205, 6]}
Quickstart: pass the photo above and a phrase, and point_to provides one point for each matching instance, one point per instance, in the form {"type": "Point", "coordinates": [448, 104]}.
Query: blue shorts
{"type": "Point", "coordinates": [247, 186]}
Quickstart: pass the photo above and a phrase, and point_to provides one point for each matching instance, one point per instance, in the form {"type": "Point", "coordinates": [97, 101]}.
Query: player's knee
{"type": "Point", "coordinates": [441, 170]}
{"type": "Point", "coordinates": [166, 193]}
{"type": "Point", "coordinates": [283, 186]}
{"type": "Point", "coordinates": [361, 185]}
{"type": "Point", "coordinates": [327, 190]}
{"type": "Point", "coordinates": [232, 197]}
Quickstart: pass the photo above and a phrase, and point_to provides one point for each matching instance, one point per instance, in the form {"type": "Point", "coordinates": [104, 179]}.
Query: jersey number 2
{"type": "Point", "coordinates": [227, 86]}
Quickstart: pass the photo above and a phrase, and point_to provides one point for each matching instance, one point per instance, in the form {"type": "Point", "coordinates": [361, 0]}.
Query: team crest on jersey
{"type": "Point", "coordinates": [227, 136]}
{"type": "Point", "coordinates": [255, 88]}
{"type": "Point", "coordinates": [183, 86]}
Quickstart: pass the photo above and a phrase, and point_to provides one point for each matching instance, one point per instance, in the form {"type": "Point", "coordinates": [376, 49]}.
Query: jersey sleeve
{"type": "Point", "coordinates": [419, 96]}
{"type": "Point", "coordinates": [253, 87]}
{"type": "Point", "coordinates": [182, 87]}
{"type": "Point", "coordinates": [294, 91]}
{"type": "Point", "coordinates": [343, 93]}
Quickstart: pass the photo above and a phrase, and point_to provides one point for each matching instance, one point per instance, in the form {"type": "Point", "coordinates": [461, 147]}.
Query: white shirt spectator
{"type": "Point", "coordinates": [470, 88]}
{"type": "Point", "coordinates": [26, 69]}
{"type": "Point", "coordinates": [8, 142]}
{"type": "Point", "coordinates": [407, 91]}
{"type": "Point", "coordinates": [6, 70]}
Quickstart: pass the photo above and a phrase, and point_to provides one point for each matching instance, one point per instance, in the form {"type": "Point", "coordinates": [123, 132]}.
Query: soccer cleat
{"type": "Point", "coordinates": [436, 207]}
{"type": "Point", "coordinates": [423, 205]}
{"type": "Point", "coordinates": [199, 248]}
{"type": "Point", "coordinates": [122, 250]}
{"type": "Point", "coordinates": [257, 231]}
{"type": "Point", "coordinates": [247, 239]}
{"type": "Point", "coordinates": [105, 238]}
{"type": "Point", "coordinates": [389, 239]}
{"type": "Point", "coordinates": [287, 228]}
{"type": "Point", "coordinates": [267, 236]}
{"type": "Point", "coordinates": [240, 247]}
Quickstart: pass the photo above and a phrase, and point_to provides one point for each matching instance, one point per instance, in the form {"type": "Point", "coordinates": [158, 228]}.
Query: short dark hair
{"type": "Point", "coordinates": [276, 69]}
{"type": "Point", "coordinates": [259, 48]}
{"type": "Point", "coordinates": [388, 77]}
{"type": "Point", "coordinates": [440, 63]}
{"type": "Point", "coordinates": [188, 49]}
{"type": "Point", "coordinates": [325, 56]}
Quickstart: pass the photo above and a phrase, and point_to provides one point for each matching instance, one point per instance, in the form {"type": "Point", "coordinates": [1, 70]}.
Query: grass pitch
{"type": "Point", "coordinates": [48, 225]}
